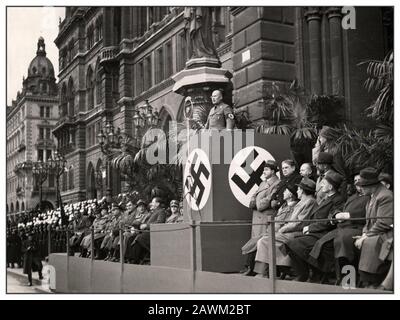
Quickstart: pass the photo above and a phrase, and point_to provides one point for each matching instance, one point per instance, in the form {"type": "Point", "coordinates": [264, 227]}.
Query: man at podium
{"type": "Point", "coordinates": [221, 115]}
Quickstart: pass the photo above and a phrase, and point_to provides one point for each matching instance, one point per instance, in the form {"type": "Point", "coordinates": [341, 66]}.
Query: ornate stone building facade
{"type": "Point", "coordinates": [30, 121]}
{"type": "Point", "coordinates": [113, 59]}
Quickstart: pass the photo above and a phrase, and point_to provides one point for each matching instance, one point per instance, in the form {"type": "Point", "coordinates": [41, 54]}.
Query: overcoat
{"type": "Point", "coordinates": [342, 235]}
{"type": "Point", "coordinates": [289, 230]}
{"type": "Point", "coordinates": [378, 231]}
{"type": "Point", "coordinates": [317, 229]}
{"type": "Point", "coordinates": [31, 258]}
{"type": "Point", "coordinates": [261, 205]}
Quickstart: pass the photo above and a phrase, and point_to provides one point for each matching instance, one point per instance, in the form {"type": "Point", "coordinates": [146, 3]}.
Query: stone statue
{"type": "Point", "coordinates": [199, 20]}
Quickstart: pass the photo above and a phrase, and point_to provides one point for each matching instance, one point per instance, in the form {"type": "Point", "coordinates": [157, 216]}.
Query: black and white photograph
{"type": "Point", "coordinates": [199, 150]}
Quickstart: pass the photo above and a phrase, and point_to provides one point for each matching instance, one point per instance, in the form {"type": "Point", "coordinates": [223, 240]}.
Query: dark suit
{"type": "Point", "coordinates": [141, 245]}
{"type": "Point", "coordinates": [339, 243]}
{"type": "Point", "coordinates": [300, 247]}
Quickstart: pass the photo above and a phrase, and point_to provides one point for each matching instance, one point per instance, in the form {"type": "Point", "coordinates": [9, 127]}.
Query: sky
{"type": "Point", "coordinates": [24, 27]}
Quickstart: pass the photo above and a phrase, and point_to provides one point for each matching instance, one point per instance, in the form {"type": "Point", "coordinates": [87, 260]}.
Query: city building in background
{"type": "Point", "coordinates": [30, 142]}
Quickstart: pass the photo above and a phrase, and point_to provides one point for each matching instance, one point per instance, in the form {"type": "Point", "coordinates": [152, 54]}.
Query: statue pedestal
{"type": "Point", "coordinates": [217, 192]}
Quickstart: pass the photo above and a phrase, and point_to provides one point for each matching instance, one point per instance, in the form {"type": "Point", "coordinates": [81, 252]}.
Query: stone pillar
{"type": "Point", "coordinates": [335, 33]}
{"type": "Point", "coordinates": [313, 17]}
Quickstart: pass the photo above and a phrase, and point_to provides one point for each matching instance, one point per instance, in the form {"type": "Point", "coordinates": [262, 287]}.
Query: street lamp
{"type": "Point", "coordinates": [144, 118]}
{"type": "Point", "coordinates": [57, 164]}
{"type": "Point", "coordinates": [40, 171]}
{"type": "Point", "coordinates": [110, 141]}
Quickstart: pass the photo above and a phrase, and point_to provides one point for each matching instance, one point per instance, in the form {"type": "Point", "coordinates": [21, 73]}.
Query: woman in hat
{"type": "Point", "coordinates": [261, 205]}
{"type": "Point", "coordinates": [289, 230]}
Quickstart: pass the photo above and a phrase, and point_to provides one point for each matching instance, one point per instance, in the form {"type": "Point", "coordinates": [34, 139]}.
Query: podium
{"type": "Point", "coordinates": [222, 171]}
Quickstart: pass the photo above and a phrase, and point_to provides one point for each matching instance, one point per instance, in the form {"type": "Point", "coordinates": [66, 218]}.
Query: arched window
{"type": "Point", "coordinates": [17, 207]}
{"type": "Point", "coordinates": [23, 206]}
{"type": "Point", "coordinates": [99, 95]}
{"type": "Point", "coordinates": [90, 88]}
{"type": "Point", "coordinates": [12, 207]}
{"type": "Point", "coordinates": [100, 27]}
{"type": "Point", "coordinates": [63, 100]}
{"type": "Point", "coordinates": [71, 97]}
{"type": "Point", "coordinates": [71, 177]}
{"type": "Point", "coordinates": [90, 37]}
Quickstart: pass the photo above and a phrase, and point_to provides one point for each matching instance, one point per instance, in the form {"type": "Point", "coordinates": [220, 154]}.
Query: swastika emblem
{"type": "Point", "coordinates": [246, 172]}
{"type": "Point", "coordinates": [197, 179]}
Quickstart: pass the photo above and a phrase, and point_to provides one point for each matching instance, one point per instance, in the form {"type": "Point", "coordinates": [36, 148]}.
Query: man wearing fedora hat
{"type": "Point", "coordinates": [140, 246]}
{"type": "Point", "coordinates": [336, 248]}
{"type": "Point", "coordinates": [261, 205]}
{"type": "Point", "coordinates": [378, 228]}
{"type": "Point", "coordinates": [300, 247]}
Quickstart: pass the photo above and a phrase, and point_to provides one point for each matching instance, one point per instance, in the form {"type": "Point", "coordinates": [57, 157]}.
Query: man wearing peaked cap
{"type": "Point", "coordinates": [376, 232]}
{"type": "Point", "coordinates": [175, 214]}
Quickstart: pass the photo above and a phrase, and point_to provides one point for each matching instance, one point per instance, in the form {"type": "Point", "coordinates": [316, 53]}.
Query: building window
{"type": "Point", "coordinates": [40, 155]}
{"type": "Point", "coordinates": [48, 155]}
{"type": "Point", "coordinates": [147, 73]}
{"type": "Point", "coordinates": [48, 133]}
{"type": "Point", "coordinates": [41, 133]}
{"type": "Point", "coordinates": [90, 88]}
{"type": "Point", "coordinates": [90, 37]}
{"type": "Point", "coordinates": [182, 53]}
{"type": "Point", "coordinates": [140, 77]}
{"type": "Point", "coordinates": [42, 111]}
{"type": "Point", "coordinates": [71, 178]}
{"type": "Point", "coordinates": [47, 112]}
{"type": "Point", "coordinates": [168, 60]}
{"type": "Point", "coordinates": [159, 72]}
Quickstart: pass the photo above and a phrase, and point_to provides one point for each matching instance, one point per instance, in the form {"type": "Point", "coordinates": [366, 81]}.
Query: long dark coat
{"type": "Point", "coordinates": [32, 260]}
{"type": "Point", "coordinates": [158, 216]}
{"type": "Point", "coordinates": [302, 245]}
{"type": "Point", "coordinates": [342, 236]}
{"type": "Point", "coordinates": [377, 230]}
{"type": "Point", "coordinates": [14, 248]}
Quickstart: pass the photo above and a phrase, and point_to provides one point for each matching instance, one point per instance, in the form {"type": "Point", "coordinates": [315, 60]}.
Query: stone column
{"type": "Point", "coordinates": [313, 17]}
{"type": "Point", "coordinates": [335, 29]}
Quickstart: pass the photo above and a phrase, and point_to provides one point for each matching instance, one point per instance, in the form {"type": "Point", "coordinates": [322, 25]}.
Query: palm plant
{"type": "Point", "coordinates": [373, 147]}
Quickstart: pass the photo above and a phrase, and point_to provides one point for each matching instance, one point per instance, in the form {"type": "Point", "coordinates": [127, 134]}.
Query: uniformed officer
{"type": "Point", "coordinates": [221, 115]}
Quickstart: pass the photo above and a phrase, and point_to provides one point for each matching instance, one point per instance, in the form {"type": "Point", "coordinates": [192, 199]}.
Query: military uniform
{"type": "Point", "coordinates": [220, 117]}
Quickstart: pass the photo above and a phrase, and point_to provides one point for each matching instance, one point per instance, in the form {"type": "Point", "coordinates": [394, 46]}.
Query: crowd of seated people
{"type": "Point", "coordinates": [322, 223]}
